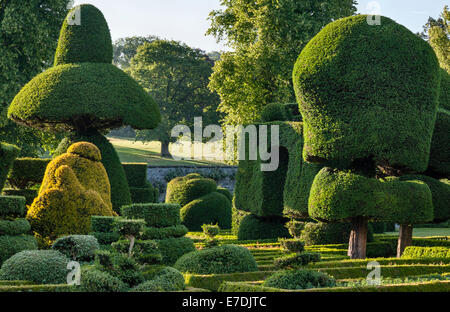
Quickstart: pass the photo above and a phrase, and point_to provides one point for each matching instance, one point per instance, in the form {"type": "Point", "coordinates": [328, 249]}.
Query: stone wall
{"type": "Point", "coordinates": [160, 176]}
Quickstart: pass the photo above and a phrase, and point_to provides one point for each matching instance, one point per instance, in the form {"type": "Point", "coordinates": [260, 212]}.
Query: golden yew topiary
{"type": "Point", "coordinates": [75, 187]}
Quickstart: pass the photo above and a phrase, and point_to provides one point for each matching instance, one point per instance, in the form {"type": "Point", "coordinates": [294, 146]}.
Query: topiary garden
{"type": "Point", "coordinates": [364, 148]}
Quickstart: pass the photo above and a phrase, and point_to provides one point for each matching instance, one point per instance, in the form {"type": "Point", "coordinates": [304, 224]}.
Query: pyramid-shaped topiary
{"type": "Point", "coordinates": [85, 94]}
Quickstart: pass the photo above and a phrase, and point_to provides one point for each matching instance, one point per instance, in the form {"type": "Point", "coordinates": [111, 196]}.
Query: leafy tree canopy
{"type": "Point", "coordinates": [267, 36]}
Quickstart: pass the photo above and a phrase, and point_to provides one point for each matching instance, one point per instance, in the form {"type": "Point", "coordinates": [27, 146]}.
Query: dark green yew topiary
{"type": "Point", "coordinates": [201, 201]}
{"type": "Point", "coordinates": [84, 37]}
{"type": "Point", "coordinates": [299, 279]}
{"type": "Point", "coordinates": [217, 260]}
{"type": "Point", "coordinates": [252, 227]}
{"type": "Point", "coordinates": [367, 92]}
{"type": "Point", "coordinates": [86, 95]}
{"type": "Point", "coordinates": [81, 97]}
{"type": "Point", "coordinates": [439, 165]}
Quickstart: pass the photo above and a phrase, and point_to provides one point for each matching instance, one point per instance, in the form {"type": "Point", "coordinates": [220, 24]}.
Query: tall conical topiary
{"type": "Point", "coordinates": [83, 93]}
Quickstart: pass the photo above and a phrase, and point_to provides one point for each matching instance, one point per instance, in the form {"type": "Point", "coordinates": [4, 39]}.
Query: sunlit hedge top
{"type": "Point", "coordinates": [84, 96]}
{"type": "Point", "coordinates": [367, 92]}
{"type": "Point", "coordinates": [84, 37]}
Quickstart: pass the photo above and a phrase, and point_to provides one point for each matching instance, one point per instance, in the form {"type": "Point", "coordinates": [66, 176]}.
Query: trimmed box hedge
{"type": "Point", "coordinates": [213, 281]}
{"type": "Point", "coordinates": [12, 206]}
{"type": "Point", "coordinates": [155, 214]}
{"type": "Point", "coordinates": [426, 252]}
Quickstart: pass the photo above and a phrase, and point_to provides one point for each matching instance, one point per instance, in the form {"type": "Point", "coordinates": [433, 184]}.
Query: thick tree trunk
{"type": "Point", "coordinates": [358, 238]}
{"type": "Point", "coordinates": [165, 150]}
{"type": "Point", "coordinates": [404, 238]}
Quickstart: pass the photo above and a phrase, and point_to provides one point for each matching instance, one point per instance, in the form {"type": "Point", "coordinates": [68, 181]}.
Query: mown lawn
{"type": "Point", "coordinates": [427, 232]}
{"type": "Point", "coordinates": [131, 151]}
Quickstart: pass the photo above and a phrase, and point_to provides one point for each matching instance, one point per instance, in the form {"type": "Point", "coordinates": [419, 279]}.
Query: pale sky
{"type": "Point", "coordinates": [186, 20]}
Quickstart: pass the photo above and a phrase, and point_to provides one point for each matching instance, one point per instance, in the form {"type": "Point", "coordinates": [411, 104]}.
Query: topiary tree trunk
{"type": "Point", "coordinates": [358, 238]}
{"type": "Point", "coordinates": [404, 238]}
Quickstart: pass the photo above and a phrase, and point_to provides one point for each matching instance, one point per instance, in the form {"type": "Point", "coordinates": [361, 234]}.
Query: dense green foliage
{"type": "Point", "coordinates": [439, 165]}
{"type": "Point", "coordinates": [440, 192]}
{"type": "Point", "coordinates": [136, 174]}
{"type": "Point", "coordinates": [77, 247]}
{"type": "Point", "coordinates": [39, 266]}
{"type": "Point", "coordinates": [167, 279]}
{"type": "Point", "coordinates": [296, 260]}
{"type": "Point", "coordinates": [253, 227]}
{"type": "Point", "coordinates": [8, 153]}
{"type": "Point", "coordinates": [29, 33]}
{"type": "Point", "coordinates": [299, 279]}
{"type": "Point", "coordinates": [221, 259]}
{"type": "Point", "coordinates": [266, 37]}
{"type": "Point", "coordinates": [155, 215]}
{"type": "Point", "coordinates": [437, 32]}
{"type": "Point", "coordinates": [178, 230]}
{"type": "Point", "coordinates": [12, 207]}
{"type": "Point", "coordinates": [200, 201]}
{"type": "Point", "coordinates": [75, 187]}
{"type": "Point", "coordinates": [27, 172]}
{"type": "Point", "coordinates": [339, 195]}
{"type": "Point", "coordinates": [144, 251]}
{"type": "Point", "coordinates": [106, 97]}
{"type": "Point", "coordinates": [426, 252]}
{"type": "Point", "coordinates": [173, 248]}
{"type": "Point", "coordinates": [86, 41]}
{"type": "Point", "coordinates": [10, 245]}
{"type": "Point", "coordinates": [94, 280]}
{"type": "Point", "coordinates": [392, 127]}
{"type": "Point", "coordinates": [14, 227]}
{"type": "Point", "coordinates": [291, 245]}
{"type": "Point", "coordinates": [329, 233]}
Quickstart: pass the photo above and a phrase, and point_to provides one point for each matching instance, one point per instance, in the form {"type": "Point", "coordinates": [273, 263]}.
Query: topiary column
{"type": "Point", "coordinates": [368, 96]}
{"type": "Point", "coordinates": [84, 94]}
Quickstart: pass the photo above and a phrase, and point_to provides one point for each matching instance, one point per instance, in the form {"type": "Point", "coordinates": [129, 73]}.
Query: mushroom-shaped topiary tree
{"type": "Point", "coordinates": [84, 94]}
{"type": "Point", "coordinates": [368, 95]}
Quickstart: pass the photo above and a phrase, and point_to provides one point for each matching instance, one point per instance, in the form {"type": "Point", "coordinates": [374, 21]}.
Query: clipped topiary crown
{"type": "Point", "coordinates": [84, 92]}
{"type": "Point", "coordinates": [84, 37]}
{"type": "Point", "coordinates": [367, 92]}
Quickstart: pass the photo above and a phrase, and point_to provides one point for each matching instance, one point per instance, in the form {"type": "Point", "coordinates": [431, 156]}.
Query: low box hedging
{"type": "Point", "coordinates": [102, 223]}
{"type": "Point", "coordinates": [426, 252]}
{"type": "Point", "coordinates": [10, 245]}
{"type": "Point", "coordinates": [435, 286]}
{"type": "Point", "coordinates": [166, 232]}
{"type": "Point", "coordinates": [12, 206]}
{"type": "Point", "coordinates": [154, 214]}
{"type": "Point", "coordinates": [213, 281]}
{"type": "Point", "coordinates": [217, 260]}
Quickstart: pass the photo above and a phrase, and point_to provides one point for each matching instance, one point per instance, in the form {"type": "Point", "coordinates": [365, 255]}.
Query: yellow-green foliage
{"type": "Point", "coordinates": [75, 187]}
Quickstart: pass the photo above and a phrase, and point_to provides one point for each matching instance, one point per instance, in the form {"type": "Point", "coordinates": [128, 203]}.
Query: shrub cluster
{"type": "Point", "coordinates": [201, 201]}
{"type": "Point", "coordinates": [217, 260]}
{"type": "Point", "coordinates": [15, 230]}
{"type": "Point", "coordinates": [167, 279]}
{"type": "Point", "coordinates": [38, 266]}
{"type": "Point", "coordinates": [252, 227]}
{"type": "Point", "coordinates": [299, 279]}
{"type": "Point", "coordinates": [296, 260]}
